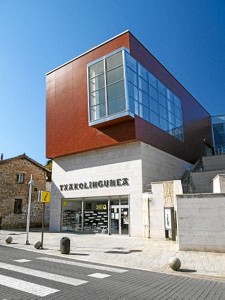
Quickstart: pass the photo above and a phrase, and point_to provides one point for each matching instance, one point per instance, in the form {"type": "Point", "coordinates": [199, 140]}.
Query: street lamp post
{"type": "Point", "coordinates": [31, 184]}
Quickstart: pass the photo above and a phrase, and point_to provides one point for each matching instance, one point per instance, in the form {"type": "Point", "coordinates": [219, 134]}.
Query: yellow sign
{"type": "Point", "coordinates": [101, 206]}
{"type": "Point", "coordinates": [45, 197]}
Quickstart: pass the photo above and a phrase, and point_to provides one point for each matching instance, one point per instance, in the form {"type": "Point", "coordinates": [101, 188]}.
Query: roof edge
{"type": "Point", "coordinates": [95, 47]}
{"type": "Point", "coordinates": [24, 156]}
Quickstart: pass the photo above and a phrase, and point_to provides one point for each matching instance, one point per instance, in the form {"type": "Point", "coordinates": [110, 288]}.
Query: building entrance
{"type": "Point", "coordinates": [119, 219]}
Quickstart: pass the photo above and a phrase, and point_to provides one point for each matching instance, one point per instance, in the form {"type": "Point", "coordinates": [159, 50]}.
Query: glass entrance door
{"type": "Point", "coordinates": [119, 219]}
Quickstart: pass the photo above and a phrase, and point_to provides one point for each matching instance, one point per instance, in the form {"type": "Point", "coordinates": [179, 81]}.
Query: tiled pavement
{"type": "Point", "coordinates": [139, 253]}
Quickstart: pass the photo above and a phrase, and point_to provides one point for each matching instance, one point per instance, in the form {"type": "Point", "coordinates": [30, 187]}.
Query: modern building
{"type": "Point", "coordinates": [15, 174]}
{"type": "Point", "coordinates": [116, 121]}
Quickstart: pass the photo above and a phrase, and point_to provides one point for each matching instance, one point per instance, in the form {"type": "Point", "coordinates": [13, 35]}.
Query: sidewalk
{"type": "Point", "coordinates": [138, 253]}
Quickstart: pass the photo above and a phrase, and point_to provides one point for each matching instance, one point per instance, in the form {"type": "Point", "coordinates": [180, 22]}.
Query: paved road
{"type": "Point", "coordinates": [30, 275]}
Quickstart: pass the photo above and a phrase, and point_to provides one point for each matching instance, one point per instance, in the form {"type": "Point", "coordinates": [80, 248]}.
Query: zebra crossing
{"type": "Point", "coordinates": [42, 290]}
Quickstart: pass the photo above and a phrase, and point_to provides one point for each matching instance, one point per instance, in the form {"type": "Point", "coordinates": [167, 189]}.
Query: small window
{"type": "Point", "coordinates": [20, 178]}
{"type": "Point", "coordinates": [18, 206]}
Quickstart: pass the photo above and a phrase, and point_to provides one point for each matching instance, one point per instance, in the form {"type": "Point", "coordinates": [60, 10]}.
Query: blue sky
{"type": "Point", "coordinates": [186, 36]}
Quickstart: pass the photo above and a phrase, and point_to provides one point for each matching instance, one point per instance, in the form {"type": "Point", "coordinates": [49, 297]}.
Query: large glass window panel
{"type": "Point", "coordinates": [132, 91]}
{"type": "Point", "coordinates": [131, 105]}
{"type": "Point", "coordinates": [162, 88]}
{"type": "Point", "coordinates": [114, 75]}
{"type": "Point", "coordinates": [97, 83]}
{"type": "Point", "coordinates": [170, 106]}
{"type": "Point", "coordinates": [116, 105]}
{"type": "Point", "coordinates": [163, 111]}
{"type": "Point", "coordinates": [144, 112]}
{"type": "Point", "coordinates": [142, 72]}
{"type": "Point", "coordinates": [162, 100]}
{"type": "Point", "coordinates": [152, 80]}
{"type": "Point", "coordinates": [132, 76]}
{"type": "Point", "coordinates": [154, 106]}
{"type": "Point", "coordinates": [114, 60]}
{"type": "Point", "coordinates": [143, 85]}
{"type": "Point", "coordinates": [131, 62]}
{"type": "Point", "coordinates": [178, 122]}
{"type": "Point", "coordinates": [153, 93]}
{"type": "Point", "coordinates": [98, 111]}
{"type": "Point", "coordinates": [155, 119]}
{"type": "Point", "coordinates": [170, 95]}
{"type": "Point", "coordinates": [98, 97]}
{"type": "Point", "coordinates": [164, 124]}
{"type": "Point", "coordinates": [171, 118]}
{"type": "Point", "coordinates": [177, 101]}
{"type": "Point", "coordinates": [144, 98]}
{"type": "Point", "coordinates": [96, 69]}
{"type": "Point", "coordinates": [178, 112]}
{"type": "Point", "coordinates": [115, 90]}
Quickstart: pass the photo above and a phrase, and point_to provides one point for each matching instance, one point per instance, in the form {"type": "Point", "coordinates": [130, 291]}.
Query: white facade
{"type": "Point", "coordinates": [130, 166]}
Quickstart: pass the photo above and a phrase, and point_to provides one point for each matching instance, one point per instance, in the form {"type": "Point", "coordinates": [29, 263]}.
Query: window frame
{"type": "Point", "coordinates": [20, 178]}
{"type": "Point", "coordinates": [18, 206]}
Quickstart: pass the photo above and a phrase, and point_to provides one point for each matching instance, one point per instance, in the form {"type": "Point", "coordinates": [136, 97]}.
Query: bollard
{"type": "Point", "coordinates": [174, 263]}
{"type": "Point", "coordinates": [38, 245]}
{"type": "Point", "coordinates": [8, 240]}
{"type": "Point", "coordinates": [65, 245]}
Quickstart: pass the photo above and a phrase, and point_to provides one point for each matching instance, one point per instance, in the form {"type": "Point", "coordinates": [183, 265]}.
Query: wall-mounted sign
{"type": "Point", "coordinates": [94, 184]}
{"type": "Point", "coordinates": [101, 206]}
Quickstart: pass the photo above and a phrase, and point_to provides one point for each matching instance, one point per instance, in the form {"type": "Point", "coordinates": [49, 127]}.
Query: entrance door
{"type": "Point", "coordinates": [119, 219]}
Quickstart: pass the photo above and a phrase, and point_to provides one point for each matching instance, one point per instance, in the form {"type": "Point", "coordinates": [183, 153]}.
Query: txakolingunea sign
{"type": "Point", "coordinates": [111, 183]}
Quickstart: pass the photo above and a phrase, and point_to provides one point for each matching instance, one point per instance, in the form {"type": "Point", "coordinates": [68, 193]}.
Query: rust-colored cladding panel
{"type": "Point", "coordinates": [197, 121]}
{"type": "Point", "coordinates": [68, 131]}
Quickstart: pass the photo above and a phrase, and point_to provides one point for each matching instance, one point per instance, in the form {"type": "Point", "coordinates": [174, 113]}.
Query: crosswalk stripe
{"type": "Point", "coordinates": [41, 274]}
{"type": "Point", "coordinates": [85, 265]}
{"type": "Point", "coordinates": [25, 286]}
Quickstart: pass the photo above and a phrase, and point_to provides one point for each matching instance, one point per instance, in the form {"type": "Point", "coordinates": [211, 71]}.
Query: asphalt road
{"type": "Point", "coordinates": [29, 275]}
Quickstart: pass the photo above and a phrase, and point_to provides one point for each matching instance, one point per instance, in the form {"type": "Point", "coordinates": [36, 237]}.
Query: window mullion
{"type": "Point", "coordinates": [106, 94]}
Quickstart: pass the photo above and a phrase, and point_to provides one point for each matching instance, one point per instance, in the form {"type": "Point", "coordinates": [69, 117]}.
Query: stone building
{"type": "Point", "coordinates": [15, 174]}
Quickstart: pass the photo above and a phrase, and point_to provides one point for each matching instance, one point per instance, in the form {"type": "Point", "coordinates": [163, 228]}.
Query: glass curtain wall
{"type": "Point", "coordinates": [152, 100]}
{"type": "Point", "coordinates": [119, 85]}
{"type": "Point", "coordinates": [218, 126]}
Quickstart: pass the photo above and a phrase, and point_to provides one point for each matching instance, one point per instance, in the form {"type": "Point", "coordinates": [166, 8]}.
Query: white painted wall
{"type": "Point", "coordinates": [201, 222]}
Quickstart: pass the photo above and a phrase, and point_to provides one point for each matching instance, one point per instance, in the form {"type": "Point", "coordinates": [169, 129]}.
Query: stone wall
{"type": "Point", "coordinates": [11, 190]}
{"type": "Point", "coordinates": [201, 222]}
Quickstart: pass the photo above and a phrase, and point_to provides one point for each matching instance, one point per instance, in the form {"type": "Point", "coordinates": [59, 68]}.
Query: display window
{"type": "Point", "coordinates": [108, 215]}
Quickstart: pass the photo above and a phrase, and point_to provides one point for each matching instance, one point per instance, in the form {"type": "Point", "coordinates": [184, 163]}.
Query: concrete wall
{"type": "Point", "coordinates": [219, 184]}
{"type": "Point", "coordinates": [216, 162]}
{"type": "Point", "coordinates": [202, 182]}
{"type": "Point", "coordinates": [201, 222]}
